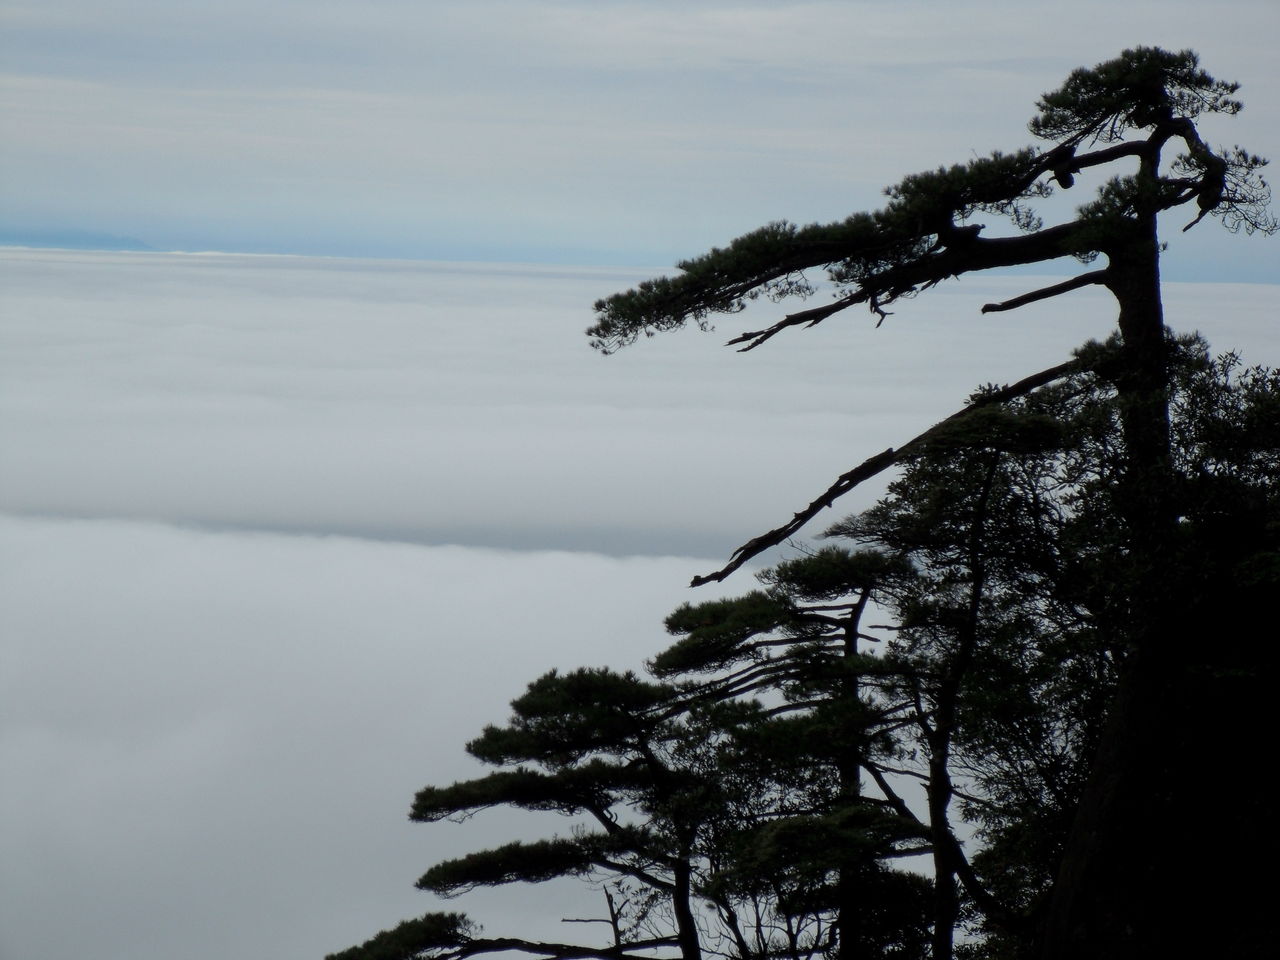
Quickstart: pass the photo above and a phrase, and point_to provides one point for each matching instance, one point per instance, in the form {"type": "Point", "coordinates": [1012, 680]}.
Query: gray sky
{"type": "Point", "coordinates": [575, 131]}
{"type": "Point", "coordinates": [279, 534]}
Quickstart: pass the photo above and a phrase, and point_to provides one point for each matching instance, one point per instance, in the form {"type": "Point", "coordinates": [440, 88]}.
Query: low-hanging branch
{"type": "Point", "coordinates": [447, 936]}
{"type": "Point", "coordinates": [881, 462]}
{"type": "Point", "coordinates": [554, 951]}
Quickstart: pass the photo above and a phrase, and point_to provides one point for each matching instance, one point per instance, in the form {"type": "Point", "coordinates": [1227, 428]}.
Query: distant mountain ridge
{"type": "Point", "coordinates": [69, 239]}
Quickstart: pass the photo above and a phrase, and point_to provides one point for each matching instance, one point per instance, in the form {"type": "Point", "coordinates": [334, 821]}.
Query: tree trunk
{"type": "Point", "coordinates": [849, 894]}
{"type": "Point", "coordinates": [1145, 872]}
{"type": "Point", "coordinates": [1113, 879]}
{"type": "Point", "coordinates": [681, 905]}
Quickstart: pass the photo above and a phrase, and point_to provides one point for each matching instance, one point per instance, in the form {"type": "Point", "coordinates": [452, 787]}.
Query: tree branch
{"type": "Point", "coordinates": [877, 464]}
{"type": "Point", "coordinates": [809, 317]}
{"type": "Point", "coordinates": [1075, 283]}
{"type": "Point", "coordinates": [1132, 148]}
{"type": "Point", "coordinates": [883, 288]}
{"type": "Point", "coordinates": [558, 951]}
{"type": "Point", "coordinates": [994, 909]}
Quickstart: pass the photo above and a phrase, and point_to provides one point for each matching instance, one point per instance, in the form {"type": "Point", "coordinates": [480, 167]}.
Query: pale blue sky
{"type": "Point", "coordinates": [571, 131]}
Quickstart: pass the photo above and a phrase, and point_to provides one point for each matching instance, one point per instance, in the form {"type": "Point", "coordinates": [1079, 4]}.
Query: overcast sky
{"type": "Point", "coordinates": [278, 534]}
{"type": "Point", "coordinates": [578, 131]}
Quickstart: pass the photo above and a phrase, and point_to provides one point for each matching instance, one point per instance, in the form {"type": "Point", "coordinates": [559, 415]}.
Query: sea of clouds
{"type": "Point", "coordinates": [279, 534]}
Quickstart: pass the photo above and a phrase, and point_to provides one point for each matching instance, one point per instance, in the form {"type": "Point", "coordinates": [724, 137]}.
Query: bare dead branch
{"type": "Point", "coordinates": [808, 317]}
{"type": "Point", "coordinates": [556, 951]}
{"type": "Point", "coordinates": [877, 464]}
{"type": "Point", "coordinates": [1075, 283]}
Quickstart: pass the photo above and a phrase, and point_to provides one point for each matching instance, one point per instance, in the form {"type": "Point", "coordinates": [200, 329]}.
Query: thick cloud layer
{"type": "Point", "coordinates": [248, 584]}
{"type": "Point", "coordinates": [210, 741]}
{"type": "Point", "coordinates": [460, 404]}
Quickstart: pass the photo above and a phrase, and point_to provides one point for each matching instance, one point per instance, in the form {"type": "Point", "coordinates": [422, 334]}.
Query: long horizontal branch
{"type": "Point", "coordinates": [876, 465]}
{"type": "Point", "coordinates": [1062, 161]}
{"type": "Point", "coordinates": [974, 254]}
{"type": "Point", "coordinates": [556, 951]}
{"type": "Point", "coordinates": [1131, 148]}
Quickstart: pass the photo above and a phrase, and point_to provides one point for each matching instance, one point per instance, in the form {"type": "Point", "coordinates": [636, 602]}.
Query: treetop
{"type": "Point", "coordinates": [1132, 106]}
{"type": "Point", "coordinates": [1142, 87]}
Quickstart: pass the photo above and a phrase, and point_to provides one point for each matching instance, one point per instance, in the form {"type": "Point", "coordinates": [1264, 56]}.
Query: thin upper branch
{"type": "Point", "coordinates": [1131, 148]}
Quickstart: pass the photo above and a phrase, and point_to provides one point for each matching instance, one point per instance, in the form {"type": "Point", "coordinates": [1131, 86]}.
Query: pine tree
{"type": "Point", "coordinates": [800, 644]}
{"type": "Point", "coordinates": [754, 802]}
{"type": "Point", "coordinates": [1119, 876]}
{"type": "Point", "coordinates": [1074, 567]}
{"type": "Point", "coordinates": [672, 794]}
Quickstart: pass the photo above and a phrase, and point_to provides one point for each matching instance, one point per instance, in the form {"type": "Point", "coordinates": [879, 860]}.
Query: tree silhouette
{"type": "Point", "coordinates": [754, 801]}
{"type": "Point", "coordinates": [1057, 559]}
{"type": "Point", "coordinates": [672, 793]}
{"type": "Point", "coordinates": [1120, 876]}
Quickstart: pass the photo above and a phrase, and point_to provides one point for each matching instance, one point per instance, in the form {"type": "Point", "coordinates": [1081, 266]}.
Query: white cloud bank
{"type": "Point", "coordinates": [460, 404]}
{"type": "Point", "coordinates": [211, 731]}
{"type": "Point", "coordinates": [210, 741]}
